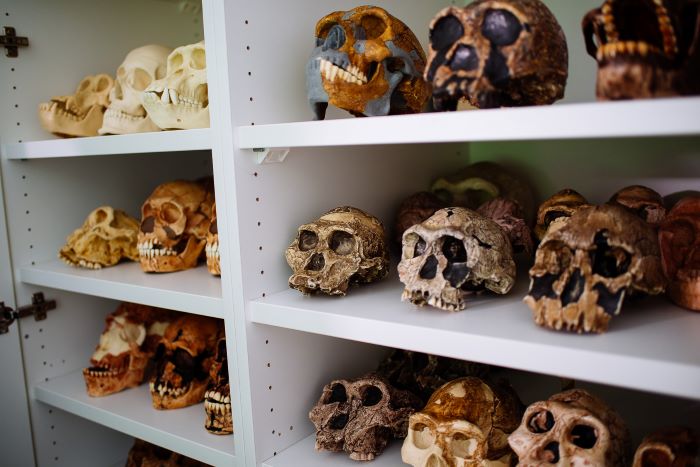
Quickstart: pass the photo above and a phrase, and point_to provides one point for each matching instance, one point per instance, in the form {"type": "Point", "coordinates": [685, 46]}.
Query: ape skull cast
{"type": "Point", "coordinates": [366, 62]}
{"type": "Point", "coordinates": [556, 210]}
{"type": "Point", "coordinates": [212, 248]}
{"type": "Point", "coordinates": [669, 447]}
{"type": "Point", "coordinates": [107, 236]}
{"type": "Point", "coordinates": [643, 201]}
{"type": "Point", "coordinates": [583, 270]}
{"type": "Point", "coordinates": [570, 428]}
{"type": "Point", "coordinates": [453, 254]}
{"type": "Point", "coordinates": [80, 114]}
{"type": "Point", "coordinates": [361, 416]}
{"type": "Point", "coordinates": [497, 53]}
{"type": "Point", "coordinates": [217, 399]}
{"type": "Point", "coordinates": [465, 423]}
{"type": "Point", "coordinates": [344, 246]}
{"type": "Point", "coordinates": [183, 360]}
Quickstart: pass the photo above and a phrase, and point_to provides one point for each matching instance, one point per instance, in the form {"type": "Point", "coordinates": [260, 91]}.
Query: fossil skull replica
{"type": "Point", "coordinates": [106, 237]}
{"type": "Point", "coordinates": [217, 399]}
{"type": "Point", "coordinates": [126, 346]}
{"type": "Point", "coordinates": [183, 360]}
{"type": "Point", "coordinates": [497, 53]}
{"type": "Point", "coordinates": [570, 428]}
{"type": "Point", "coordinates": [181, 99]}
{"type": "Point", "coordinates": [344, 246]}
{"type": "Point", "coordinates": [466, 422]}
{"type": "Point", "coordinates": [366, 62]}
{"type": "Point", "coordinates": [212, 247]}
{"type": "Point", "coordinates": [583, 270]}
{"type": "Point", "coordinates": [645, 48]}
{"type": "Point", "coordinates": [643, 201]}
{"type": "Point", "coordinates": [80, 114]}
{"type": "Point", "coordinates": [144, 454]}
{"type": "Point", "coordinates": [556, 210]}
{"type": "Point", "coordinates": [361, 416]}
{"type": "Point", "coordinates": [679, 240]}
{"type": "Point", "coordinates": [414, 210]}
{"type": "Point", "coordinates": [453, 254]}
{"type": "Point", "coordinates": [509, 217]}
{"type": "Point", "coordinates": [669, 447]}
{"type": "Point", "coordinates": [140, 68]}
{"type": "Point", "coordinates": [174, 225]}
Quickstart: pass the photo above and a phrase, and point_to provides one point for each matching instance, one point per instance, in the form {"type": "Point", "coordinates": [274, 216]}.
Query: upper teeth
{"type": "Point", "coordinates": [350, 75]}
{"type": "Point", "coordinates": [169, 96]}
{"type": "Point", "coordinates": [625, 47]}
{"type": "Point", "coordinates": [212, 250]}
{"type": "Point", "coordinates": [147, 249]}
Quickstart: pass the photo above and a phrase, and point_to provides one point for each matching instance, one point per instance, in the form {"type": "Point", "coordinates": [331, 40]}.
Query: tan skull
{"type": "Point", "coordinates": [643, 201]}
{"type": "Point", "coordinates": [80, 114]}
{"type": "Point", "coordinates": [217, 399]}
{"type": "Point", "coordinates": [453, 254]}
{"type": "Point", "coordinates": [557, 209]}
{"type": "Point", "coordinates": [465, 423]}
{"type": "Point", "coordinates": [106, 237]}
{"type": "Point", "coordinates": [174, 225]}
{"type": "Point", "coordinates": [212, 248]}
{"type": "Point", "coordinates": [344, 246]}
{"type": "Point", "coordinates": [572, 428]}
{"type": "Point", "coordinates": [366, 62]}
{"type": "Point", "coordinates": [583, 270]}
{"type": "Point", "coordinates": [669, 447]}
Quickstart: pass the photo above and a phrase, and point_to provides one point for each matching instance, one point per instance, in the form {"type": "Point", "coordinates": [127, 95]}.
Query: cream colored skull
{"type": "Point", "coordinates": [106, 236]}
{"type": "Point", "coordinates": [125, 113]}
{"type": "Point", "coordinates": [212, 248]}
{"type": "Point", "coordinates": [80, 114]}
{"type": "Point", "coordinates": [180, 100]}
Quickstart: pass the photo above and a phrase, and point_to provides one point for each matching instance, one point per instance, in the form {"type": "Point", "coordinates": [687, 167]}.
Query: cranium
{"type": "Point", "coordinates": [557, 209]}
{"type": "Point", "coordinates": [217, 399]}
{"type": "Point", "coordinates": [344, 246]}
{"type": "Point", "coordinates": [497, 53]}
{"type": "Point", "coordinates": [181, 99]}
{"type": "Point", "coordinates": [106, 236]}
{"type": "Point", "coordinates": [80, 114]}
{"type": "Point", "coordinates": [143, 454]}
{"type": "Point", "coordinates": [366, 62]}
{"type": "Point", "coordinates": [643, 201]}
{"type": "Point", "coordinates": [669, 447]}
{"type": "Point", "coordinates": [212, 248]}
{"type": "Point", "coordinates": [414, 210]}
{"type": "Point", "coordinates": [125, 113]}
{"type": "Point", "coordinates": [509, 217]}
{"type": "Point", "coordinates": [453, 254]}
{"type": "Point", "coordinates": [583, 270]}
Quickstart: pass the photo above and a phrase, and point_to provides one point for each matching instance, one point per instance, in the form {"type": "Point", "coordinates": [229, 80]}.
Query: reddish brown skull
{"type": "Point", "coordinates": [217, 399]}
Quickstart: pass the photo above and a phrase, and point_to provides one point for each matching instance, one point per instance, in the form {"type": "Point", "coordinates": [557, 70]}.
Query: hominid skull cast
{"type": "Point", "coordinates": [669, 447]}
{"type": "Point", "coordinates": [366, 62]}
{"type": "Point", "coordinates": [556, 210]}
{"type": "Point", "coordinates": [344, 246]}
{"type": "Point", "coordinates": [643, 201]}
{"type": "Point", "coordinates": [217, 399]}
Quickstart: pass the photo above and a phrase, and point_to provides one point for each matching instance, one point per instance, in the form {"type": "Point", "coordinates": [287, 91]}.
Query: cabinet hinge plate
{"type": "Point", "coordinates": [38, 309]}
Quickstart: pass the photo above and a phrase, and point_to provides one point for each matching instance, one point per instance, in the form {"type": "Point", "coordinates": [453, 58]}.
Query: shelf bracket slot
{"type": "Point", "coordinates": [270, 155]}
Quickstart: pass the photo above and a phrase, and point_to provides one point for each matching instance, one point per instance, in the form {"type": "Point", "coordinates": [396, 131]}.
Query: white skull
{"type": "Point", "coordinates": [140, 68]}
{"type": "Point", "coordinates": [180, 100]}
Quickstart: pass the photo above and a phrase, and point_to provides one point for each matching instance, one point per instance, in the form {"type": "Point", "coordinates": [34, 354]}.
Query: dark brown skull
{"type": "Point", "coordinates": [557, 209]}
{"type": "Point", "coordinates": [217, 399]}
{"type": "Point", "coordinates": [643, 201]}
{"type": "Point", "coordinates": [669, 447]}
{"type": "Point", "coordinates": [414, 210]}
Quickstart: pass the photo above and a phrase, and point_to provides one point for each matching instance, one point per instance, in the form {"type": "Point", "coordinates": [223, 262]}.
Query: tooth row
{"type": "Point", "coordinates": [70, 114]}
{"type": "Point", "coordinates": [87, 371]}
{"type": "Point", "coordinates": [148, 250]}
{"type": "Point", "coordinates": [216, 407]}
{"type": "Point", "coordinates": [625, 47]}
{"type": "Point", "coordinates": [667, 31]}
{"type": "Point", "coordinates": [118, 114]}
{"type": "Point", "coordinates": [217, 396]}
{"type": "Point", "coordinates": [169, 96]}
{"type": "Point", "coordinates": [163, 389]}
{"type": "Point", "coordinates": [352, 75]}
{"type": "Point", "coordinates": [212, 250]}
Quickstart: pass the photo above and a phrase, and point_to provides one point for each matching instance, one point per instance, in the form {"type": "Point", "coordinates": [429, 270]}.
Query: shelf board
{"type": "Point", "coordinates": [652, 346]}
{"type": "Point", "coordinates": [161, 141]}
{"type": "Point", "coordinates": [131, 412]}
{"type": "Point", "coordinates": [640, 118]}
{"type": "Point", "coordinates": [193, 290]}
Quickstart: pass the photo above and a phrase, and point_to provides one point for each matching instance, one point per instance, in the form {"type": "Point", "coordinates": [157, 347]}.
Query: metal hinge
{"type": "Point", "coordinates": [11, 41]}
{"type": "Point", "coordinates": [38, 309]}
{"type": "Point", "coordinates": [270, 155]}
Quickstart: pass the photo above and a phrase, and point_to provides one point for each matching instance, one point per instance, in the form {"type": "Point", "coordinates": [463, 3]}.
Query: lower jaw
{"type": "Point", "coordinates": [220, 424]}
{"type": "Point", "coordinates": [123, 123]}
{"type": "Point", "coordinates": [98, 386]}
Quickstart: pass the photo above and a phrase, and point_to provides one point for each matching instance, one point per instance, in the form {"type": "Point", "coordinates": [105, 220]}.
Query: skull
{"type": "Point", "coordinates": [143, 454]}
{"type": "Point", "coordinates": [583, 270]}
{"type": "Point", "coordinates": [497, 53]}
{"type": "Point", "coordinates": [557, 210]}
{"type": "Point", "coordinates": [465, 423]}
{"type": "Point", "coordinates": [570, 428]}
{"type": "Point", "coordinates": [183, 360]}
{"type": "Point", "coordinates": [345, 245]}
{"type": "Point", "coordinates": [180, 100]}
{"type": "Point", "coordinates": [80, 114]}
{"type": "Point", "coordinates": [669, 447]}
{"type": "Point", "coordinates": [366, 62]}
{"type": "Point", "coordinates": [414, 210]}
{"type": "Point", "coordinates": [212, 248]}
{"type": "Point", "coordinates": [645, 48]}
{"type": "Point", "coordinates": [360, 416]}
{"type": "Point", "coordinates": [643, 201]}
{"type": "Point", "coordinates": [125, 113]}
{"type": "Point", "coordinates": [126, 347]}
{"type": "Point", "coordinates": [174, 224]}
{"type": "Point", "coordinates": [508, 215]}
{"type": "Point", "coordinates": [679, 240]}
{"type": "Point", "coordinates": [107, 236]}
{"type": "Point", "coordinates": [217, 399]}
{"type": "Point", "coordinates": [453, 254]}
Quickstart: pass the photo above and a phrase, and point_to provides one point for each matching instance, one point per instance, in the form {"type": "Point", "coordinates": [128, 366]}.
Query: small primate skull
{"type": "Point", "coordinates": [556, 210]}
{"type": "Point", "coordinates": [453, 254]}
{"type": "Point", "coordinates": [643, 201]}
{"type": "Point", "coordinates": [217, 399]}
{"type": "Point", "coordinates": [125, 113]}
{"type": "Point", "coordinates": [570, 428]}
{"type": "Point", "coordinates": [366, 62]}
{"type": "Point", "coordinates": [126, 346]}
{"type": "Point", "coordinates": [645, 48]}
{"type": "Point", "coordinates": [497, 53]}
{"type": "Point", "coordinates": [679, 240]}
{"type": "Point", "coordinates": [80, 114]}
{"type": "Point", "coordinates": [414, 210]}
{"type": "Point", "coordinates": [144, 454]}
{"type": "Point", "coordinates": [212, 248]}
{"type": "Point", "coordinates": [361, 416]}
{"type": "Point", "coordinates": [344, 246]}
{"type": "Point", "coordinates": [509, 217]}
{"type": "Point", "coordinates": [183, 360]}
{"type": "Point", "coordinates": [106, 237]}
{"type": "Point", "coordinates": [466, 422]}
{"type": "Point", "coordinates": [174, 225]}
{"type": "Point", "coordinates": [583, 270]}
{"type": "Point", "coordinates": [669, 447]}
{"type": "Point", "coordinates": [181, 99]}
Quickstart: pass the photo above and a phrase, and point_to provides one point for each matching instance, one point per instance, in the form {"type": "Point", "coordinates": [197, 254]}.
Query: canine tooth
{"type": "Point", "coordinates": [164, 96]}
{"type": "Point", "coordinates": [173, 96]}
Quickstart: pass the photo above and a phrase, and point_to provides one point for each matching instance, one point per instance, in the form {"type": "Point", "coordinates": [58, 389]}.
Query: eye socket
{"type": "Point", "coordinates": [551, 216]}
{"type": "Point", "coordinates": [373, 25]}
{"type": "Point", "coordinates": [199, 59]}
{"type": "Point", "coordinates": [416, 243]}
{"type": "Point", "coordinates": [446, 32]}
{"type": "Point", "coordinates": [541, 422]}
{"type": "Point", "coordinates": [342, 242]}
{"type": "Point", "coordinates": [501, 27]}
{"type": "Point", "coordinates": [307, 240]}
{"type": "Point", "coordinates": [584, 436]}
{"type": "Point", "coordinates": [338, 394]}
{"type": "Point", "coordinates": [423, 436]}
{"type": "Point", "coordinates": [656, 458]}
{"type": "Point", "coordinates": [102, 84]}
{"type": "Point", "coordinates": [371, 395]}
{"type": "Point", "coordinates": [147, 224]}
{"type": "Point", "coordinates": [463, 446]}
{"type": "Point", "coordinates": [170, 212]}
{"type": "Point", "coordinates": [453, 249]}
{"type": "Point", "coordinates": [608, 261]}
{"type": "Point", "coordinates": [140, 79]}
{"type": "Point", "coordinates": [175, 61]}
{"type": "Point", "coordinates": [183, 360]}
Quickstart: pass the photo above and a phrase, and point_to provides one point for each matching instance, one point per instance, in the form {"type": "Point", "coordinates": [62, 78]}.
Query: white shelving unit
{"type": "Point", "coordinates": [298, 454]}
